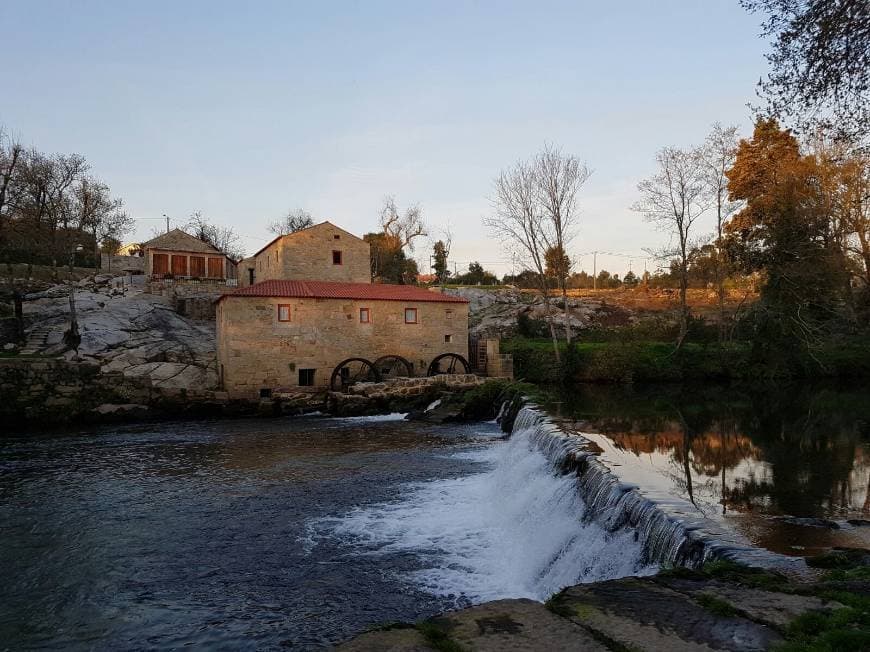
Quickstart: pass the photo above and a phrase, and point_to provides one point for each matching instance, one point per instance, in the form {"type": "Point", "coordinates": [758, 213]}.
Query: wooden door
{"type": "Point", "coordinates": [179, 265]}
{"type": "Point", "coordinates": [215, 268]}
{"type": "Point", "coordinates": [160, 264]}
{"type": "Point", "coordinates": [197, 266]}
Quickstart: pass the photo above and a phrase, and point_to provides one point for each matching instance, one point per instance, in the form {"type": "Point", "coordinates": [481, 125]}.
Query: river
{"type": "Point", "coordinates": [268, 534]}
{"type": "Point", "coordinates": [301, 532]}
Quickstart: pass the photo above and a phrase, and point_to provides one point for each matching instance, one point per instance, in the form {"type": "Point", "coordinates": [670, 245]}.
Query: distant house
{"type": "Point", "coordinates": [321, 252]}
{"type": "Point", "coordinates": [181, 255]}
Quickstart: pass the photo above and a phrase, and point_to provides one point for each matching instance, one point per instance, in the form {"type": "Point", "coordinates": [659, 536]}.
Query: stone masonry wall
{"type": "Point", "coordinates": [307, 255]}
{"type": "Point", "coordinates": [40, 391]}
{"type": "Point", "coordinates": [119, 264]}
{"type": "Point", "coordinates": [257, 351]}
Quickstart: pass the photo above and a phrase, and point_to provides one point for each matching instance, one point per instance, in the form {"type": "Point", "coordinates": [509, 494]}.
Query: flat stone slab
{"type": "Point", "coordinates": [521, 625]}
{"type": "Point", "coordinates": [392, 640]}
{"type": "Point", "coordinates": [643, 615]}
{"type": "Point", "coordinates": [768, 607]}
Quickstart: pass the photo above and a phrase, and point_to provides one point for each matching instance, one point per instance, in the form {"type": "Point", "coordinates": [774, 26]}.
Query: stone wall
{"type": "Point", "coordinates": [308, 255]}
{"type": "Point", "coordinates": [257, 351]}
{"type": "Point", "coordinates": [122, 264]}
{"type": "Point", "coordinates": [43, 391]}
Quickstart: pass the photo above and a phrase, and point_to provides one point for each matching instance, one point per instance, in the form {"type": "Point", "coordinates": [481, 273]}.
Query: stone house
{"type": "Point", "coordinates": [323, 252]}
{"type": "Point", "coordinates": [182, 255]}
{"type": "Point", "coordinates": [289, 333]}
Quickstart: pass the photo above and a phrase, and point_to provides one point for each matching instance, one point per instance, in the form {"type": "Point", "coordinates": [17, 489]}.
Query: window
{"type": "Point", "coordinates": [449, 314]}
{"type": "Point", "coordinates": [410, 315]}
{"type": "Point", "coordinates": [336, 237]}
{"type": "Point", "coordinates": [365, 316]}
{"type": "Point", "coordinates": [265, 392]}
{"type": "Point", "coordinates": [283, 312]}
{"type": "Point", "coordinates": [336, 258]}
{"type": "Point", "coordinates": [306, 377]}
{"type": "Point", "coordinates": [448, 338]}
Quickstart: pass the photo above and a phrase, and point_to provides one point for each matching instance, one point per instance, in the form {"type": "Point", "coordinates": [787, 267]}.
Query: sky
{"type": "Point", "coordinates": [244, 111]}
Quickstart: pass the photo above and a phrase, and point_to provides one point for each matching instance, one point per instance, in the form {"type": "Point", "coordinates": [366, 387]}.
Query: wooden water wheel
{"type": "Point", "coordinates": [350, 371]}
{"type": "Point", "coordinates": [448, 363]}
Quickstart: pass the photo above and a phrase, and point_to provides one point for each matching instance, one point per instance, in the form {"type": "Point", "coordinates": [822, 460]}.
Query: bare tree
{"type": "Point", "coordinates": [819, 64]}
{"type": "Point", "coordinates": [223, 238]}
{"type": "Point", "coordinates": [402, 228]}
{"type": "Point", "coordinates": [10, 157]}
{"type": "Point", "coordinates": [558, 179]}
{"type": "Point", "coordinates": [673, 199]}
{"type": "Point", "coordinates": [520, 223]}
{"type": "Point", "coordinates": [100, 214]}
{"type": "Point", "coordinates": [717, 156]}
{"type": "Point", "coordinates": [293, 221]}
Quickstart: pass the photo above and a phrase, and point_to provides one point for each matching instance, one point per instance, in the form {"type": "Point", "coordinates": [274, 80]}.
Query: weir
{"type": "Point", "coordinates": [670, 532]}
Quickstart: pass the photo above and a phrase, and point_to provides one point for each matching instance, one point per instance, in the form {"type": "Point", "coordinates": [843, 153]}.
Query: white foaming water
{"type": "Point", "coordinates": [393, 416]}
{"type": "Point", "coordinates": [514, 530]}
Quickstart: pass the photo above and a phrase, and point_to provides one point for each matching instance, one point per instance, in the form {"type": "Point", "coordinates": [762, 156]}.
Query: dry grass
{"type": "Point", "coordinates": [655, 299]}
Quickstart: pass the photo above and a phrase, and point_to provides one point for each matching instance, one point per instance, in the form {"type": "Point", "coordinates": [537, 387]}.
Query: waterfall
{"type": "Point", "coordinates": [670, 532]}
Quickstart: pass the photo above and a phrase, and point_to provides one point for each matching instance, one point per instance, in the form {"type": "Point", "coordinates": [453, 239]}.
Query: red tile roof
{"type": "Point", "coordinates": [333, 290]}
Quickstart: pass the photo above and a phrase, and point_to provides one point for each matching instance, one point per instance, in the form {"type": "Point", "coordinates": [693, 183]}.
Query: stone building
{"type": "Point", "coordinates": [182, 255]}
{"type": "Point", "coordinates": [278, 334]}
{"type": "Point", "coordinates": [323, 252]}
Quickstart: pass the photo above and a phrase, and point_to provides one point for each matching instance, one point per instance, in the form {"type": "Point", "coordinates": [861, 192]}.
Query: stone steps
{"type": "Point", "coordinates": [37, 341]}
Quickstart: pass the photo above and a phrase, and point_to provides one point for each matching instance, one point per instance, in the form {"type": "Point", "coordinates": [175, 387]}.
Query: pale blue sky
{"type": "Point", "coordinates": [244, 110]}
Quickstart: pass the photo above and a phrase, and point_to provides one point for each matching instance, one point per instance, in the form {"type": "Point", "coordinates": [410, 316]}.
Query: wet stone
{"type": "Point", "coordinates": [514, 625]}
{"type": "Point", "coordinates": [392, 640]}
{"type": "Point", "coordinates": [642, 615]}
{"type": "Point", "coordinates": [768, 607]}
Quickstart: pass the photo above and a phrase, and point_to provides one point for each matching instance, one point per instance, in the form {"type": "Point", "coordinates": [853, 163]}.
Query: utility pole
{"type": "Point", "coordinates": [594, 270]}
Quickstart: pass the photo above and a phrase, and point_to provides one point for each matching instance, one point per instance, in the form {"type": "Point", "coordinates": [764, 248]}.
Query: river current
{"type": "Point", "coordinates": [276, 534]}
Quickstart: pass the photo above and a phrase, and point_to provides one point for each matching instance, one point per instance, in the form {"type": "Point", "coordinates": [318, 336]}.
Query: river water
{"type": "Point", "coordinates": [274, 534]}
{"type": "Point", "coordinates": [302, 532]}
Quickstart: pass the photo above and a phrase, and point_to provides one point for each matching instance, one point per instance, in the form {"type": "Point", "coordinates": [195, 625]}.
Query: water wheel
{"type": "Point", "coordinates": [350, 371]}
{"type": "Point", "coordinates": [393, 366]}
{"type": "Point", "coordinates": [448, 363]}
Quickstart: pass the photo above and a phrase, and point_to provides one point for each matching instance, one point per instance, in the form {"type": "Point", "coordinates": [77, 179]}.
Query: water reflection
{"type": "Point", "coordinates": [789, 467]}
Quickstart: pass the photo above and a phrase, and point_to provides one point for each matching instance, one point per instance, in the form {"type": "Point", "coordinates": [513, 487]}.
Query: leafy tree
{"type": "Point", "coordinates": [476, 275]}
{"type": "Point", "coordinates": [388, 260]}
{"type": "Point", "coordinates": [293, 221]}
{"type": "Point", "coordinates": [439, 257]}
{"type": "Point", "coordinates": [630, 279]}
{"type": "Point", "coordinates": [558, 264]}
{"type": "Point", "coordinates": [820, 64]}
{"type": "Point", "coordinates": [527, 280]}
{"type": "Point", "coordinates": [782, 232]}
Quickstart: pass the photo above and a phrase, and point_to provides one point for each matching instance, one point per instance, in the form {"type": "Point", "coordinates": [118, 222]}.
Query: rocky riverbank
{"type": "Point", "coordinates": [720, 607]}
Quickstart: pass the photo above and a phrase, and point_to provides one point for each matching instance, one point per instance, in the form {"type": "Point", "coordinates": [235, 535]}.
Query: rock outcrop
{"type": "Point", "coordinates": [494, 313]}
{"type": "Point", "coordinates": [126, 330]}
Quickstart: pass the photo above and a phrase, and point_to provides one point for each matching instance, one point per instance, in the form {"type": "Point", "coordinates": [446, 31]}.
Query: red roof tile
{"type": "Point", "coordinates": [333, 290]}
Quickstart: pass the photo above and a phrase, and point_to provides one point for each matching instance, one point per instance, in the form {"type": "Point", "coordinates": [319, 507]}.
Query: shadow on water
{"type": "Point", "coordinates": [788, 467]}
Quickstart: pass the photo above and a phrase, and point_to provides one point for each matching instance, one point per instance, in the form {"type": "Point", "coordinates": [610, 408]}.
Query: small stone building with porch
{"type": "Point", "coordinates": [180, 255]}
{"type": "Point", "coordinates": [322, 252]}
{"type": "Point", "coordinates": [288, 333]}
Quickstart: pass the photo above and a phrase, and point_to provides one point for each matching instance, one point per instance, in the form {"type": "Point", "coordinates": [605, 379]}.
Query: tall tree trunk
{"type": "Point", "coordinates": [684, 305]}
{"type": "Point", "coordinates": [546, 295]}
{"type": "Point", "coordinates": [720, 275]}
{"type": "Point", "coordinates": [568, 334]}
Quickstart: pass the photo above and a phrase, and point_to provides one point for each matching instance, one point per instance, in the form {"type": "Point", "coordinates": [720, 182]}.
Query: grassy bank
{"type": "Point", "coordinates": [655, 361]}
